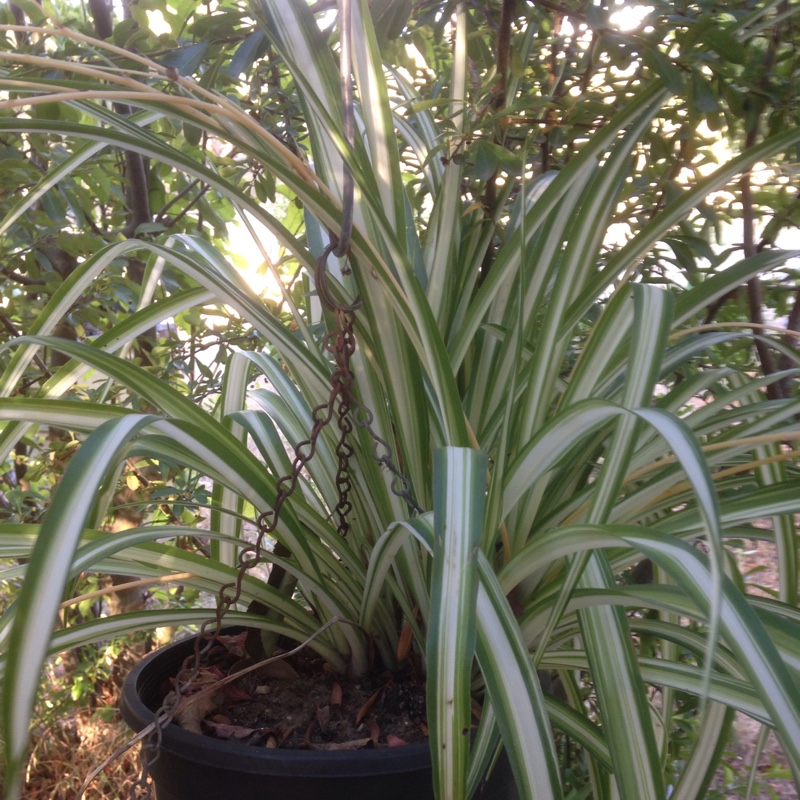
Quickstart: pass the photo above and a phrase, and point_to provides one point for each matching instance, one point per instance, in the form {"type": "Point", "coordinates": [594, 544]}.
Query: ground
{"type": "Point", "coordinates": [757, 562]}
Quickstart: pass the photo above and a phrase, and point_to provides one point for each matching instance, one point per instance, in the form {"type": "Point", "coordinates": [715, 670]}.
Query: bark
{"type": "Point", "coordinates": [498, 103]}
{"type": "Point", "coordinates": [785, 361]}
{"type": "Point", "coordinates": [102, 19]}
{"type": "Point", "coordinates": [775, 390]}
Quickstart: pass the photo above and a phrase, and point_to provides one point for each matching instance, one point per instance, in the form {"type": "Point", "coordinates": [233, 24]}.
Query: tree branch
{"type": "Point", "coordinates": [102, 19]}
{"type": "Point", "coordinates": [9, 326]}
{"type": "Point", "coordinates": [498, 103]}
{"type": "Point", "coordinates": [775, 390]}
{"type": "Point", "coordinates": [561, 10]}
{"type": "Point", "coordinates": [24, 280]}
{"type": "Point", "coordinates": [785, 361]}
{"type": "Point", "coordinates": [137, 193]}
{"type": "Point", "coordinates": [189, 206]}
{"type": "Point", "coordinates": [182, 193]}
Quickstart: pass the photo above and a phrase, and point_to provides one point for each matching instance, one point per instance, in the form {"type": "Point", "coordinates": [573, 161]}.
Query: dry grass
{"type": "Point", "coordinates": [64, 757]}
{"type": "Point", "coordinates": [73, 738]}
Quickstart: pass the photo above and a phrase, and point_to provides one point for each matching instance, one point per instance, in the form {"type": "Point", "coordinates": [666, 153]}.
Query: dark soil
{"type": "Point", "coordinates": [300, 703]}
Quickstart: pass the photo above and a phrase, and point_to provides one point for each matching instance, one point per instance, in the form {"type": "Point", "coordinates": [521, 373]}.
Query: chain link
{"type": "Point", "coordinates": [341, 344]}
{"type": "Point", "coordinates": [142, 789]}
{"type": "Point", "coordinates": [382, 454]}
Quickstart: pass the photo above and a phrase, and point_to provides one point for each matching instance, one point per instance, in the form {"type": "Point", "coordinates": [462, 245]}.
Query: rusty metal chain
{"type": "Point", "coordinates": [382, 454]}
{"type": "Point", "coordinates": [341, 404]}
{"type": "Point", "coordinates": [341, 344]}
{"type": "Point", "coordinates": [142, 789]}
{"type": "Point", "coordinates": [349, 412]}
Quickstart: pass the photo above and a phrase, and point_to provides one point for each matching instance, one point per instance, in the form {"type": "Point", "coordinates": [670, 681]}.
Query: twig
{"type": "Point", "coordinates": [181, 194]}
{"type": "Point", "coordinates": [23, 279]}
{"type": "Point", "coordinates": [188, 207]}
{"type": "Point", "coordinates": [787, 332]}
{"type": "Point", "coordinates": [565, 12]}
{"type": "Point", "coordinates": [181, 576]}
{"type": "Point", "coordinates": [9, 326]}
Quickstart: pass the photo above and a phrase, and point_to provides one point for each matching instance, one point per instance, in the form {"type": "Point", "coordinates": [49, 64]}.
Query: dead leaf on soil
{"type": "Point", "coordinates": [406, 637]}
{"type": "Point", "coordinates": [404, 643]}
{"type": "Point", "coordinates": [367, 707]}
{"type": "Point", "coordinates": [189, 715]}
{"type": "Point", "coordinates": [323, 716]}
{"type": "Point", "coordinates": [395, 741]}
{"type": "Point", "coordinates": [287, 732]}
{"type": "Point", "coordinates": [336, 695]}
{"type": "Point", "coordinates": [204, 677]}
{"type": "Point", "coordinates": [374, 731]}
{"type": "Point", "coordinates": [355, 744]}
{"type": "Point", "coordinates": [234, 644]}
{"type": "Point", "coordinates": [278, 671]}
{"type": "Point", "coordinates": [235, 694]}
{"type": "Point", "coordinates": [223, 731]}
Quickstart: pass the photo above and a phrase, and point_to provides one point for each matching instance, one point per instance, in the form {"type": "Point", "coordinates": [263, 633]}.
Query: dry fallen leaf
{"type": "Point", "coordinates": [234, 644]}
{"type": "Point", "coordinates": [285, 733]}
{"type": "Point", "coordinates": [222, 731]}
{"type": "Point", "coordinates": [336, 695]}
{"type": "Point", "coordinates": [374, 731]}
{"type": "Point", "coordinates": [404, 643]}
{"type": "Point", "coordinates": [367, 707]}
{"type": "Point", "coordinates": [278, 671]}
{"type": "Point", "coordinates": [233, 694]}
{"type": "Point", "coordinates": [204, 677]}
{"type": "Point", "coordinates": [395, 741]}
{"type": "Point", "coordinates": [189, 715]}
{"type": "Point", "coordinates": [355, 744]}
{"type": "Point", "coordinates": [323, 715]}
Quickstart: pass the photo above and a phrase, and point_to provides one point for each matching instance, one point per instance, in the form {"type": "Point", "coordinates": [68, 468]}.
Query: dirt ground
{"type": "Point", "coordinates": [747, 732]}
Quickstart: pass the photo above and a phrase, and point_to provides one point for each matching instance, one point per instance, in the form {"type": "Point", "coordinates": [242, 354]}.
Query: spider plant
{"type": "Point", "coordinates": [574, 378]}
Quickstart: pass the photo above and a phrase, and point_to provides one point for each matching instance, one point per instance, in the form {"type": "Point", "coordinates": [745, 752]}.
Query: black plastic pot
{"type": "Point", "coordinates": [194, 767]}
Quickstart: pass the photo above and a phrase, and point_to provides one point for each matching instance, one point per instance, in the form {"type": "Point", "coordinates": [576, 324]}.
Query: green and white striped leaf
{"type": "Point", "coordinates": [46, 577]}
{"type": "Point", "coordinates": [459, 488]}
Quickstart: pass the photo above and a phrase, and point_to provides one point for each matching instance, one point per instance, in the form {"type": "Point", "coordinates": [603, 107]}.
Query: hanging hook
{"type": "Point", "coordinates": [340, 244]}
{"type": "Point", "coordinates": [321, 282]}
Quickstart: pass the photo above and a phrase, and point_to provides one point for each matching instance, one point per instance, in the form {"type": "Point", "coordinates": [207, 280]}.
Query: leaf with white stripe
{"type": "Point", "coordinates": [459, 488]}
